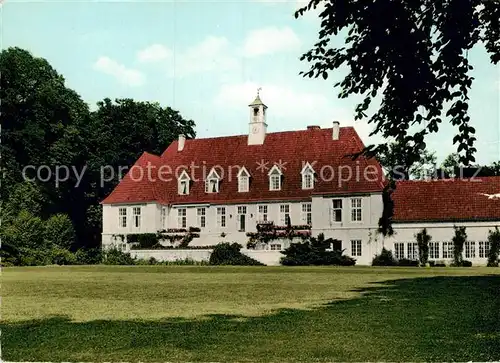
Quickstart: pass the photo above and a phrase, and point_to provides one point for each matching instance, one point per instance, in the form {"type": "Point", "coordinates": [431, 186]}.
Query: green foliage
{"type": "Point", "coordinates": [414, 54]}
{"type": "Point", "coordinates": [494, 240]}
{"type": "Point", "coordinates": [147, 240]}
{"type": "Point", "coordinates": [229, 254]}
{"type": "Point", "coordinates": [402, 161]}
{"type": "Point", "coordinates": [385, 221]}
{"type": "Point", "coordinates": [89, 256]}
{"type": "Point", "coordinates": [46, 123]}
{"type": "Point", "coordinates": [59, 231]}
{"type": "Point", "coordinates": [423, 240]}
{"type": "Point", "coordinates": [25, 231]}
{"type": "Point", "coordinates": [61, 256]}
{"type": "Point", "coordinates": [116, 257]}
{"type": "Point", "coordinates": [385, 258]}
{"type": "Point", "coordinates": [314, 252]}
{"type": "Point", "coordinates": [458, 240]}
{"type": "Point", "coordinates": [404, 262]}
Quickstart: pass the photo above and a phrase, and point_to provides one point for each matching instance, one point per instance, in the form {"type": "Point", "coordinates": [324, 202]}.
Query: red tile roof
{"type": "Point", "coordinates": [292, 148]}
{"type": "Point", "coordinates": [447, 200]}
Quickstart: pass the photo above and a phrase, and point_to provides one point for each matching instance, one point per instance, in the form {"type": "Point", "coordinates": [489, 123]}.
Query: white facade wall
{"type": "Point", "coordinates": [172, 255]}
{"type": "Point", "coordinates": [346, 231]}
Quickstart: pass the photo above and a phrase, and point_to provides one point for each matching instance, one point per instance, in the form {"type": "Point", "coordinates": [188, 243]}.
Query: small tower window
{"type": "Point", "coordinates": [256, 111]}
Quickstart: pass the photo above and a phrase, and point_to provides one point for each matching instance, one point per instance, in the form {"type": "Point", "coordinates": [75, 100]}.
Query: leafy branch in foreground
{"type": "Point", "coordinates": [414, 54]}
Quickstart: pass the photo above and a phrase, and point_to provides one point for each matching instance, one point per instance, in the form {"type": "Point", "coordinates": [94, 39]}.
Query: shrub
{"type": "Point", "coordinates": [494, 240]}
{"type": "Point", "coordinates": [147, 240]}
{"type": "Point", "coordinates": [423, 239]}
{"type": "Point", "coordinates": [187, 261]}
{"type": "Point", "coordinates": [408, 263]}
{"type": "Point", "coordinates": [314, 252]}
{"type": "Point", "coordinates": [229, 254]}
{"type": "Point", "coordinates": [88, 256]}
{"type": "Point", "coordinates": [385, 258]}
{"type": "Point", "coordinates": [458, 245]}
{"type": "Point", "coordinates": [116, 257]}
{"type": "Point", "coordinates": [59, 231]}
{"type": "Point", "coordinates": [61, 256]}
{"type": "Point", "coordinates": [466, 263]}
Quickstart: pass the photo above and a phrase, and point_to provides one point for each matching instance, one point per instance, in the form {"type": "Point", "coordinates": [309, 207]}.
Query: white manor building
{"type": "Point", "coordinates": [225, 186]}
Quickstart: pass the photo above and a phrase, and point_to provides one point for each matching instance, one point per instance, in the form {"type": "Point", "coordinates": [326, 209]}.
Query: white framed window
{"type": "Point", "coordinates": [163, 217]}
{"type": "Point", "coordinates": [136, 215]}
{"type": "Point", "coordinates": [183, 183]}
{"type": "Point", "coordinates": [356, 210]}
{"type": "Point", "coordinates": [399, 250]}
{"type": "Point", "coordinates": [284, 214]}
{"type": "Point", "coordinates": [306, 213]}
{"type": "Point", "coordinates": [484, 249]}
{"type": "Point", "coordinates": [212, 182]}
{"type": "Point", "coordinates": [181, 218]}
{"type": "Point", "coordinates": [412, 251]}
{"type": "Point", "coordinates": [470, 249]}
{"type": "Point", "coordinates": [221, 217]}
{"type": "Point", "coordinates": [356, 247]}
{"type": "Point", "coordinates": [447, 249]}
{"type": "Point", "coordinates": [275, 178]}
{"type": "Point", "coordinates": [433, 250]}
{"type": "Point", "coordinates": [242, 209]}
{"type": "Point", "coordinates": [275, 246]}
{"type": "Point", "coordinates": [122, 217]}
{"type": "Point", "coordinates": [337, 210]}
{"type": "Point", "coordinates": [243, 180]}
{"type": "Point", "coordinates": [202, 217]}
{"type": "Point", "coordinates": [262, 211]}
{"type": "Point", "coordinates": [307, 176]}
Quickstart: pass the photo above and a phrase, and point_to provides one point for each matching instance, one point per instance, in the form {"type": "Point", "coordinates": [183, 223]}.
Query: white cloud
{"type": "Point", "coordinates": [124, 75]}
{"type": "Point", "coordinates": [213, 53]}
{"type": "Point", "coordinates": [291, 108]}
{"type": "Point", "coordinates": [154, 53]}
{"type": "Point", "coordinates": [270, 40]}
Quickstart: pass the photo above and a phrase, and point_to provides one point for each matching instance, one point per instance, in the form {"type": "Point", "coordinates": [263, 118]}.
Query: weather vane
{"type": "Point", "coordinates": [258, 90]}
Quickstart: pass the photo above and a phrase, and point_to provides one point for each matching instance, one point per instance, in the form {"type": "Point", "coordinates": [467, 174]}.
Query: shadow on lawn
{"type": "Point", "coordinates": [421, 319]}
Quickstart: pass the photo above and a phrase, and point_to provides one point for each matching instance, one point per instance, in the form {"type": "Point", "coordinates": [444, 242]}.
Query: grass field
{"type": "Point", "coordinates": [187, 313]}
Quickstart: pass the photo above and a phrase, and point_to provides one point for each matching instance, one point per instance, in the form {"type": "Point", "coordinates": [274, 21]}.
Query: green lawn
{"type": "Point", "coordinates": [184, 313]}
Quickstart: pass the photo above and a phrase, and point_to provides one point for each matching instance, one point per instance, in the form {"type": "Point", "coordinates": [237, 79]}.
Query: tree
{"type": "Point", "coordinates": [423, 239]}
{"type": "Point", "coordinates": [400, 162]}
{"type": "Point", "coordinates": [494, 241]}
{"type": "Point", "coordinates": [413, 54]}
{"type": "Point", "coordinates": [450, 164]}
{"type": "Point", "coordinates": [458, 240]}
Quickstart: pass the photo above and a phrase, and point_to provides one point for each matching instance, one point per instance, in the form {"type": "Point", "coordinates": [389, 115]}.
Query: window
{"type": "Point", "coordinates": [433, 250]}
{"type": "Point", "coordinates": [275, 246]}
{"type": "Point", "coordinates": [122, 219]}
{"type": "Point", "coordinates": [243, 180]}
{"type": "Point", "coordinates": [243, 184]}
{"type": "Point", "coordinates": [356, 209]}
{"type": "Point", "coordinates": [184, 183]}
{"type": "Point", "coordinates": [337, 210]}
{"type": "Point", "coordinates": [412, 251]}
{"type": "Point", "coordinates": [306, 215]}
{"type": "Point", "coordinates": [136, 213]}
{"type": "Point", "coordinates": [221, 216]}
{"type": "Point", "coordinates": [307, 181]}
{"type": "Point", "coordinates": [399, 249]}
{"type": "Point", "coordinates": [163, 217]}
{"type": "Point", "coordinates": [274, 178]}
{"type": "Point", "coordinates": [201, 213]}
{"type": "Point", "coordinates": [356, 247]}
{"type": "Point", "coordinates": [284, 214]}
{"type": "Point", "coordinates": [212, 185]}
{"type": "Point", "coordinates": [484, 249]}
{"type": "Point", "coordinates": [181, 218]}
{"type": "Point", "coordinates": [262, 213]}
{"type": "Point", "coordinates": [470, 249]}
{"type": "Point", "coordinates": [447, 250]}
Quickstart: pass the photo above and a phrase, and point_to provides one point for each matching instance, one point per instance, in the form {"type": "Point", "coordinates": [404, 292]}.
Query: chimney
{"type": "Point", "coordinates": [313, 127]}
{"type": "Point", "coordinates": [336, 130]}
{"type": "Point", "coordinates": [182, 141]}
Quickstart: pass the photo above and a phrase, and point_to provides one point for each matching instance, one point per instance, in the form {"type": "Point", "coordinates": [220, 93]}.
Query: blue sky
{"type": "Point", "coordinates": [207, 58]}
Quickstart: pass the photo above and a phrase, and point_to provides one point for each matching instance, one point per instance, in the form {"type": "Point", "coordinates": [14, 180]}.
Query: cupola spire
{"type": "Point", "coordinates": [257, 125]}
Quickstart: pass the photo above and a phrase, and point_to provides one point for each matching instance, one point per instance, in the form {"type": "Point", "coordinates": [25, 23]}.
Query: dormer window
{"type": "Point", "coordinates": [212, 182]}
{"type": "Point", "coordinates": [243, 180]}
{"type": "Point", "coordinates": [307, 177]}
{"type": "Point", "coordinates": [183, 183]}
{"type": "Point", "coordinates": [275, 178]}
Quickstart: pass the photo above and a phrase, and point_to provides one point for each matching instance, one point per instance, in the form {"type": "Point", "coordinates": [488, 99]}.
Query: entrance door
{"type": "Point", "coordinates": [242, 222]}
